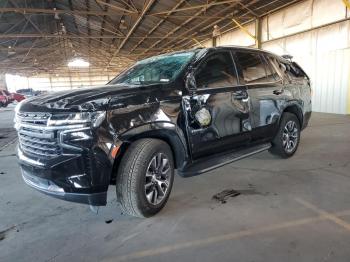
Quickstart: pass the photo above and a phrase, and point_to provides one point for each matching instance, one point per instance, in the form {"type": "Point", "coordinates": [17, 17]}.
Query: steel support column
{"type": "Point", "coordinates": [347, 3]}
{"type": "Point", "coordinates": [258, 32]}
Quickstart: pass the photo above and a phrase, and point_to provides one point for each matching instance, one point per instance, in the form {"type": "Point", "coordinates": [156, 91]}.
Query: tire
{"type": "Point", "coordinates": [287, 139]}
{"type": "Point", "coordinates": [140, 173]}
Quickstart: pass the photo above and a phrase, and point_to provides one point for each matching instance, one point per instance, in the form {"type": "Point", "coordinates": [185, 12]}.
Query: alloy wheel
{"type": "Point", "coordinates": [290, 136]}
{"type": "Point", "coordinates": [157, 179]}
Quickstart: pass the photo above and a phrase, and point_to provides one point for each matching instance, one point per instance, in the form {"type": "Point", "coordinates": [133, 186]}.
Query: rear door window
{"type": "Point", "coordinates": [252, 68]}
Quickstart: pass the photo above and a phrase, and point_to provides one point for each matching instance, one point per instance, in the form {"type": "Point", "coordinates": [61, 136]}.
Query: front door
{"type": "Point", "coordinates": [217, 112]}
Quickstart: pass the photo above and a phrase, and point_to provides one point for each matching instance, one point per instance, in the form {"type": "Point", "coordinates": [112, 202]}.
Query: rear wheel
{"type": "Point", "coordinates": [286, 141]}
{"type": "Point", "coordinates": [145, 177]}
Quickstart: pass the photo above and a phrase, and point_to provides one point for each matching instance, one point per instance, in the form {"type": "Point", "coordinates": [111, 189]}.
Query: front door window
{"type": "Point", "coordinates": [216, 71]}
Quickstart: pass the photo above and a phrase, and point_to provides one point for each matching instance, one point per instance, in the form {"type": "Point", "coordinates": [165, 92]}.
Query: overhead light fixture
{"type": "Point", "coordinates": [77, 62]}
{"type": "Point", "coordinates": [10, 51]}
{"type": "Point", "coordinates": [216, 31]}
{"type": "Point", "coordinates": [122, 25]}
{"type": "Point", "coordinates": [57, 17]}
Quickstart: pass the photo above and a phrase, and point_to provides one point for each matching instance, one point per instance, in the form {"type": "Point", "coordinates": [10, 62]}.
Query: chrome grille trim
{"type": "Point", "coordinates": [49, 128]}
{"type": "Point", "coordinates": [35, 137]}
{"type": "Point", "coordinates": [33, 118]}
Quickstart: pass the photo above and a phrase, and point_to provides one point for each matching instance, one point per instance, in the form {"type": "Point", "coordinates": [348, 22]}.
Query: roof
{"type": "Point", "coordinates": [42, 36]}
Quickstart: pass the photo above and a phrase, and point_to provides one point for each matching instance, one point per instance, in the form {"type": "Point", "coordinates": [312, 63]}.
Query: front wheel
{"type": "Point", "coordinates": [145, 177]}
{"type": "Point", "coordinates": [287, 139]}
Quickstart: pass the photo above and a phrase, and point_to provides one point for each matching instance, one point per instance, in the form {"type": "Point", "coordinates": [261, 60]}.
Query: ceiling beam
{"type": "Point", "coordinates": [146, 7]}
{"type": "Point", "coordinates": [207, 5]}
{"type": "Point", "coordinates": [20, 10]}
{"type": "Point", "coordinates": [171, 32]}
{"type": "Point", "coordinates": [205, 27]}
{"type": "Point", "coordinates": [45, 48]}
{"type": "Point", "coordinates": [109, 12]}
{"type": "Point", "coordinates": [157, 25]}
{"type": "Point", "coordinates": [117, 7]}
{"type": "Point", "coordinates": [186, 34]}
{"type": "Point", "coordinates": [9, 36]}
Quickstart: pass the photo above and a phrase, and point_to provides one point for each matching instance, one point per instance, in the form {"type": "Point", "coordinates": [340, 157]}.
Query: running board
{"type": "Point", "coordinates": [209, 163]}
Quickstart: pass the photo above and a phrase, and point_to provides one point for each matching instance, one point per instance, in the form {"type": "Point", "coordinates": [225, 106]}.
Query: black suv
{"type": "Point", "coordinates": [189, 111]}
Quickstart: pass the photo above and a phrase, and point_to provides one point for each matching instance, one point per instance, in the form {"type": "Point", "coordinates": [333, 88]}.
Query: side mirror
{"type": "Point", "coordinates": [190, 81]}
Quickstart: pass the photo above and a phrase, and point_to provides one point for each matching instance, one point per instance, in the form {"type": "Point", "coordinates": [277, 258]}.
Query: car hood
{"type": "Point", "coordinates": [84, 99]}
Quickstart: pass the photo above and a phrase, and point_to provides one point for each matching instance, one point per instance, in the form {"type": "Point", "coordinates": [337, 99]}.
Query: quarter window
{"type": "Point", "coordinates": [292, 70]}
{"type": "Point", "coordinates": [216, 71]}
{"type": "Point", "coordinates": [296, 70]}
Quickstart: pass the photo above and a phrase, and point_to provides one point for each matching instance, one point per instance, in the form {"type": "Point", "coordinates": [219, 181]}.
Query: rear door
{"type": "Point", "coordinates": [265, 89]}
{"type": "Point", "coordinates": [219, 94]}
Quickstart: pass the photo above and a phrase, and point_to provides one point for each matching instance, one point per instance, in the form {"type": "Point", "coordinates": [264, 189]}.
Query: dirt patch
{"type": "Point", "coordinates": [225, 194]}
{"type": "Point", "coordinates": [4, 233]}
{"type": "Point", "coordinates": [109, 221]}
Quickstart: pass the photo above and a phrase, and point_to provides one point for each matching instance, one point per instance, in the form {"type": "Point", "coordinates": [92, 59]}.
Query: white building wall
{"type": "Point", "coordinates": [57, 83]}
{"type": "Point", "coordinates": [238, 37]}
{"type": "Point", "coordinates": [317, 34]}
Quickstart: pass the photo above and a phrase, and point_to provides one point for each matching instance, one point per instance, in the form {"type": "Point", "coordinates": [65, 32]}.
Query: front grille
{"type": "Point", "coordinates": [34, 136]}
{"type": "Point", "coordinates": [33, 118]}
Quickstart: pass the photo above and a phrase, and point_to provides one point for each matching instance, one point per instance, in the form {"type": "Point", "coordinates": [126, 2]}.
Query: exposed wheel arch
{"type": "Point", "coordinates": [179, 150]}
{"type": "Point", "coordinates": [294, 109]}
{"type": "Point", "coordinates": [171, 138]}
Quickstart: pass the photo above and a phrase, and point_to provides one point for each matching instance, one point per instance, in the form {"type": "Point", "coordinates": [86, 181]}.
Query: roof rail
{"type": "Point", "coordinates": [288, 57]}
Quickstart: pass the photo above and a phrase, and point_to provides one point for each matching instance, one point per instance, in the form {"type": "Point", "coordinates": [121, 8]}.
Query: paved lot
{"type": "Point", "coordinates": [289, 210]}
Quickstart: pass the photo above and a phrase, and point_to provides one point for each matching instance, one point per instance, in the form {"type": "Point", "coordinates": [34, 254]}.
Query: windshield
{"type": "Point", "coordinates": [158, 69]}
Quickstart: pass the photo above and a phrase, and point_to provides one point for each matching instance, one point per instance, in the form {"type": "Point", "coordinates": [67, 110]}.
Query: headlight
{"type": "Point", "coordinates": [77, 132]}
{"type": "Point", "coordinates": [94, 119]}
{"type": "Point", "coordinates": [76, 138]}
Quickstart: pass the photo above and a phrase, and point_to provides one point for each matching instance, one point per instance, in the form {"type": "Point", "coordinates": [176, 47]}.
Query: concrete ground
{"type": "Point", "coordinates": [289, 210]}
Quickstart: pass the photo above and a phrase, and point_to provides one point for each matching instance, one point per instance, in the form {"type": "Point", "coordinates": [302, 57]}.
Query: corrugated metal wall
{"type": "Point", "coordinates": [317, 34]}
{"type": "Point", "coordinates": [331, 77]}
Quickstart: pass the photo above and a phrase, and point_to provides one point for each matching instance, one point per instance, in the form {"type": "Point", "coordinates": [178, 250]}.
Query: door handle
{"type": "Point", "coordinates": [278, 91]}
{"type": "Point", "coordinates": [240, 95]}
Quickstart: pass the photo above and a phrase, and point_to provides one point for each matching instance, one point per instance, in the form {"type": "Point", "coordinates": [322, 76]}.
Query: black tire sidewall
{"type": "Point", "coordinates": [277, 143]}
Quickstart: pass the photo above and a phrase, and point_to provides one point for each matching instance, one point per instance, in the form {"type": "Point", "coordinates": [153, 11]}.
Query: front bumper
{"type": "Point", "coordinates": [49, 188]}
{"type": "Point", "coordinates": [76, 178]}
